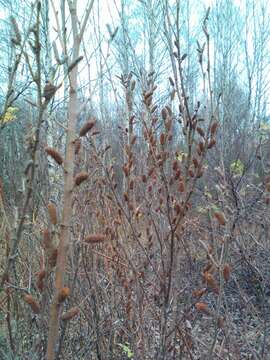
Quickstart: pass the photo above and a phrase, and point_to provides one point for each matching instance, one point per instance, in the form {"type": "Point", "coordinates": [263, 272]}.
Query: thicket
{"type": "Point", "coordinates": [134, 214]}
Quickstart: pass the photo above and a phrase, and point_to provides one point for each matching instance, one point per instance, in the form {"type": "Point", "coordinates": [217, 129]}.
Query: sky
{"type": "Point", "coordinates": [109, 14]}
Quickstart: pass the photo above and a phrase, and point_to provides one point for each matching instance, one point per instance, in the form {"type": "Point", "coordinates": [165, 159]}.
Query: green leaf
{"type": "Point", "coordinates": [126, 349]}
{"type": "Point", "coordinates": [10, 115]}
{"type": "Point", "coordinates": [237, 167]}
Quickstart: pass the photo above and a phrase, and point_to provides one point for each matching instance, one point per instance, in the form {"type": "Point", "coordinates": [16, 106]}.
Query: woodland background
{"type": "Point", "coordinates": [134, 179]}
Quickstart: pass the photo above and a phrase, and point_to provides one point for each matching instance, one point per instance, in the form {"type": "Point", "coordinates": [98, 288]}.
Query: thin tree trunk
{"type": "Point", "coordinates": [56, 308]}
{"type": "Point", "coordinates": [67, 207]}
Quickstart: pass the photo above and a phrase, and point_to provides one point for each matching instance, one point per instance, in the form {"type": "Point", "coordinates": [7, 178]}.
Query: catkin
{"type": "Point", "coordinates": [87, 127]}
{"type": "Point", "coordinates": [95, 238]}
{"type": "Point", "coordinates": [162, 139]}
{"type": "Point", "coordinates": [77, 146]}
{"type": "Point", "coordinates": [46, 239]}
{"type": "Point", "coordinates": [52, 213]}
{"type": "Point", "coordinates": [54, 154]}
{"type": "Point", "coordinates": [211, 144]}
{"type": "Point", "coordinates": [41, 274]}
{"type": "Point", "coordinates": [214, 127]}
{"type": "Point", "coordinates": [226, 272]}
{"type": "Point", "coordinates": [202, 307]}
{"type": "Point", "coordinates": [164, 113]}
{"type": "Point", "coordinates": [40, 279]}
{"type": "Point", "coordinates": [52, 259]}
{"type": "Point", "coordinates": [200, 131]}
{"type": "Point", "coordinates": [220, 217]}
{"type": "Point", "coordinates": [181, 187]}
{"type": "Point", "coordinates": [30, 300]}
{"type": "Point", "coordinates": [70, 314]}
{"type": "Point", "coordinates": [63, 294]}
{"type": "Point", "coordinates": [81, 177]}
{"type": "Point", "coordinates": [210, 280]}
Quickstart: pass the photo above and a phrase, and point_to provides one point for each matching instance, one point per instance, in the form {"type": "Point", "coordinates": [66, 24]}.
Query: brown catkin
{"type": "Point", "coordinates": [52, 213]}
{"type": "Point", "coordinates": [177, 209]}
{"type": "Point", "coordinates": [70, 314]}
{"type": "Point", "coordinates": [214, 127]}
{"type": "Point", "coordinates": [211, 144]}
{"type": "Point", "coordinates": [95, 238]}
{"type": "Point", "coordinates": [210, 280]}
{"type": "Point", "coordinates": [148, 94]}
{"type": "Point", "coordinates": [47, 241]}
{"type": "Point", "coordinates": [199, 293]}
{"type": "Point", "coordinates": [177, 174]}
{"type": "Point", "coordinates": [131, 184]}
{"type": "Point", "coordinates": [148, 101]}
{"type": "Point", "coordinates": [41, 274]}
{"type": "Point", "coordinates": [87, 127]}
{"type": "Point", "coordinates": [40, 279]}
{"type": "Point", "coordinates": [126, 170]}
{"type": "Point", "coordinates": [63, 294]}
{"type": "Point", "coordinates": [220, 322]}
{"type": "Point", "coordinates": [168, 124]}
{"type": "Point", "coordinates": [195, 162]}
{"type": "Point", "coordinates": [202, 307]}
{"type": "Point", "coordinates": [181, 187]}
{"type": "Point", "coordinates": [53, 257]}
{"type": "Point", "coordinates": [40, 285]}
{"type": "Point", "coordinates": [190, 173]}
{"type": "Point", "coordinates": [200, 131]}
{"type": "Point", "coordinates": [133, 139]}
{"type": "Point", "coordinates": [77, 146]}
{"type": "Point", "coordinates": [220, 217]}
{"type": "Point", "coordinates": [226, 272]}
{"type": "Point", "coordinates": [151, 171]}
{"type": "Point", "coordinates": [54, 154]}
{"type": "Point", "coordinates": [175, 165]}
{"type": "Point", "coordinates": [162, 139]}
{"type": "Point", "coordinates": [164, 113]}
{"type": "Point", "coordinates": [81, 177]}
{"type": "Point", "coordinates": [30, 300]}
{"type": "Point", "coordinates": [144, 178]}
{"type": "Point", "coordinates": [201, 146]}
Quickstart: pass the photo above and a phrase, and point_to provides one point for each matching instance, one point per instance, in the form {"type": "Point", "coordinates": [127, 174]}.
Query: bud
{"type": "Point", "coordinates": [70, 314]}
